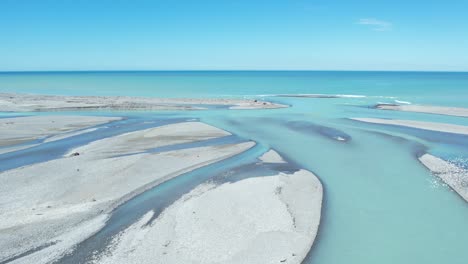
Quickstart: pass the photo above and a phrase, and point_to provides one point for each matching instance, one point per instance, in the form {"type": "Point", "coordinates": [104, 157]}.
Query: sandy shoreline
{"type": "Point", "coordinates": [271, 219]}
{"type": "Point", "coordinates": [428, 109]}
{"type": "Point", "coordinates": [41, 103]}
{"type": "Point", "coordinates": [68, 199]}
{"type": "Point", "coordinates": [439, 127]}
{"type": "Point", "coordinates": [453, 176]}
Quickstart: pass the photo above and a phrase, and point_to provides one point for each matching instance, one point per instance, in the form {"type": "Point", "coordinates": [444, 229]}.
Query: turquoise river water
{"type": "Point", "coordinates": [380, 204]}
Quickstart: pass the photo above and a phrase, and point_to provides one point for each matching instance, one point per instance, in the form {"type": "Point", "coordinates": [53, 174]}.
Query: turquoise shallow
{"type": "Point", "coordinates": [380, 205]}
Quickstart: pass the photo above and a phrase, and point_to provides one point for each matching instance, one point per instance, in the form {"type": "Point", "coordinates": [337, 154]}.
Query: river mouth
{"type": "Point", "coordinates": [381, 205]}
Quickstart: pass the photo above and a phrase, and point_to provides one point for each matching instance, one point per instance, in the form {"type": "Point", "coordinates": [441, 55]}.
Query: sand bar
{"type": "Point", "coordinates": [64, 201]}
{"type": "Point", "coordinates": [439, 127]}
{"type": "Point", "coordinates": [271, 156]}
{"type": "Point", "coordinates": [18, 130]}
{"type": "Point", "coordinates": [139, 141]}
{"type": "Point", "coordinates": [452, 175]}
{"type": "Point", "coordinates": [35, 103]}
{"type": "Point", "coordinates": [323, 96]}
{"type": "Point", "coordinates": [271, 219]}
{"type": "Point", "coordinates": [428, 109]}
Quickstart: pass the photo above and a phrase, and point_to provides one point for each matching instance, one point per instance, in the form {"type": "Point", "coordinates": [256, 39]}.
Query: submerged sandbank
{"type": "Point", "coordinates": [428, 109]}
{"type": "Point", "coordinates": [439, 127]}
{"type": "Point", "coordinates": [37, 103]}
{"type": "Point", "coordinates": [452, 175]}
{"type": "Point", "coordinates": [20, 130]}
{"type": "Point", "coordinates": [270, 219]}
{"type": "Point", "coordinates": [58, 203]}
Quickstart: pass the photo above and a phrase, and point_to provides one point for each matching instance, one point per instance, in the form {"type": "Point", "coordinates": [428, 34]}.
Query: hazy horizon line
{"type": "Point", "coordinates": [225, 70]}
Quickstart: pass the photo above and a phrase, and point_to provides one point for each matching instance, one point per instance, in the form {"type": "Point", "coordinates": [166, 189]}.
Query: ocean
{"type": "Point", "coordinates": [381, 205]}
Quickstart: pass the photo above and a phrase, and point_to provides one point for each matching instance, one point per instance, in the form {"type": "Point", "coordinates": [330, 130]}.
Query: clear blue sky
{"type": "Point", "coordinates": [233, 34]}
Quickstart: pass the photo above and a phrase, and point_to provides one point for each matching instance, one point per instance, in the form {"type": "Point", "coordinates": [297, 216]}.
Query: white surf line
{"type": "Point", "coordinates": [402, 102]}
{"type": "Point", "coordinates": [32, 103]}
{"type": "Point", "coordinates": [67, 199]}
{"type": "Point", "coordinates": [428, 109]}
{"type": "Point", "coordinates": [271, 219]}
{"type": "Point", "coordinates": [439, 127]}
{"type": "Point", "coordinates": [452, 175]}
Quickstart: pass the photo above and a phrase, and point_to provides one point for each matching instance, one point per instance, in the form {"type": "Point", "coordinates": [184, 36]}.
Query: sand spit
{"type": "Point", "coordinates": [271, 219]}
{"type": "Point", "coordinates": [323, 96]}
{"type": "Point", "coordinates": [18, 130]}
{"type": "Point", "coordinates": [271, 156]}
{"type": "Point", "coordinates": [139, 141]}
{"type": "Point", "coordinates": [59, 203]}
{"type": "Point", "coordinates": [438, 110]}
{"type": "Point", "coordinates": [71, 134]}
{"type": "Point", "coordinates": [35, 103]}
{"type": "Point", "coordinates": [452, 175]}
{"type": "Point", "coordinates": [439, 127]}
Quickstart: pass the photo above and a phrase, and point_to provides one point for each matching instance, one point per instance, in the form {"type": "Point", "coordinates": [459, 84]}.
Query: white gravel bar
{"type": "Point", "coordinates": [18, 130]}
{"type": "Point", "coordinates": [272, 219]}
{"type": "Point", "coordinates": [428, 109]}
{"type": "Point", "coordinates": [62, 202]}
{"type": "Point", "coordinates": [452, 175]}
{"type": "Point", "coordinates": [440, 127]}
{"type": "Point", "coordinates": [35, 103]}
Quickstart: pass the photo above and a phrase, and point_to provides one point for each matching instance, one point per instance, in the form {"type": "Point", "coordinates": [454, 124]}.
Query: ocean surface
{"type": "Point", "coordinates": [380, 204]}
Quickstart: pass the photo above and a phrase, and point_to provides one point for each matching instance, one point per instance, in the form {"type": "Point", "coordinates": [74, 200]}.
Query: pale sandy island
{"type": "Point", "coordinates": [19, 130]}
{"type": "Point", "coordinates": [259, 220]}
{"type": "Point", "coordinates": [271, 156]}
{"type": "Point", "coordinates": [35, 103]}
{"type": "Point", "coordinates": [62, 202]}
{"type": "Point", "coordinates": [324, 96]}
{"type": "Point", "coordinates": [452, 175]}
{"type": "Point", "coordinates": [428, 109]}
{"type": "Point", "coordinates": [439, 127]}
